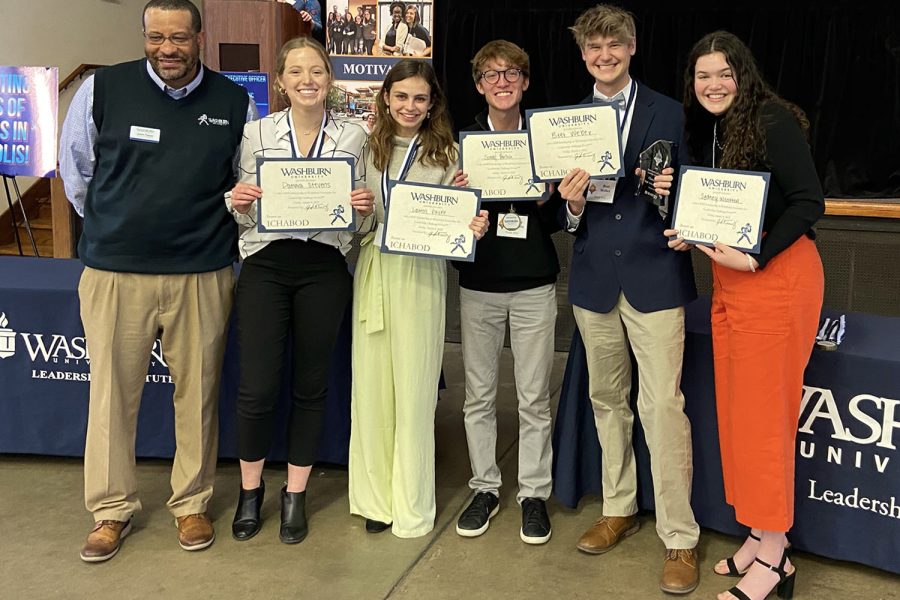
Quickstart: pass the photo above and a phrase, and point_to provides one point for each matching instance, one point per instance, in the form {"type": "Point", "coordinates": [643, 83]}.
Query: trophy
{"type": "Point", "coordinates": [652, 161]}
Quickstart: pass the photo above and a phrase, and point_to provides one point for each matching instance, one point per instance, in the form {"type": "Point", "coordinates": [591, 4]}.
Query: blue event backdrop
{"type": "Point", "coordinates": [28, 104]}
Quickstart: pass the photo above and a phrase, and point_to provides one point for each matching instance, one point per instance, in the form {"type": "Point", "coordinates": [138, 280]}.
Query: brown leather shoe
{"type": "Point", "coordinates": [680, 572]}
{"type": "Point", "coordinates": [606, 533]}
{"type": "Point", "coordinates": [104, 540]}
{"type": "Point", "coordinates": [195, 532]}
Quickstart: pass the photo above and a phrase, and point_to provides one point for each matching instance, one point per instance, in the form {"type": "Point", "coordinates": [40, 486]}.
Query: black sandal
{"type": "Point", "coordinates": [732, 567]}
{"type": "Point", "coordinates": [784, 589]}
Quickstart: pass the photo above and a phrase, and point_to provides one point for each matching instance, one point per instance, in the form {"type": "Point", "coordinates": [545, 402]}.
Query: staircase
{"type": "Point", "coordinates": [40, 218]}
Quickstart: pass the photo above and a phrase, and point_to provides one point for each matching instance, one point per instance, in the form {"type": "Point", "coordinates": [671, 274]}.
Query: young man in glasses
{"type": "Point", "coordinates": [147, 153]}
{"type": "Point", "coordinates": [513, 280]}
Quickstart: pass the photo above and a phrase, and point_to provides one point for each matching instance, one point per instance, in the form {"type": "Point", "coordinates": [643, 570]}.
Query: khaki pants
{"type": "Point", "coordinates": [657, 340]}
{"type": "Point", "coordinates": [122, 315]}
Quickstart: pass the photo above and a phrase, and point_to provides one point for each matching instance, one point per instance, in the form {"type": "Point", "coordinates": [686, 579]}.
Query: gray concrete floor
{"type": "Point", "coordinates": [43, 522]}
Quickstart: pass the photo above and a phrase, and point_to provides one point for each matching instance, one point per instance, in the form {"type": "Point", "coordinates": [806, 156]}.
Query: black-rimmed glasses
{"type": "Point", "coordinates": [178, 39]}
{"type": "Point", "coordinates": [510, 75]}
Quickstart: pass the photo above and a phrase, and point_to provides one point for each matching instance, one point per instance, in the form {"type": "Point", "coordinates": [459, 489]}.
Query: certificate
{"type": "Point", "coordinates": [586, 136]}
{"type": "Point", "coordinates": [718, 205]}
{"type": "Point", "coordinates": [431, 221]}
{"type": "Point", "coordinates": [499, 164]}
{"type": "Point", "coordinates": [305, 194]}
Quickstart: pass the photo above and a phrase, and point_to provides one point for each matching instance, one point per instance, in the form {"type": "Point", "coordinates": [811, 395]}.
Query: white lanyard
{"type": "Point", "coordinates": [408, 160]}
{"type": "Point", "coordinates": [316, 149]}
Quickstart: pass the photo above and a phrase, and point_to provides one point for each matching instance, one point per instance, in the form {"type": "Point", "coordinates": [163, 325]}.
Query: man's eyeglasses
{"type": "Point", "coordinates": [179, 39]}
{"type": "Point", "coordinates": [510, 75]}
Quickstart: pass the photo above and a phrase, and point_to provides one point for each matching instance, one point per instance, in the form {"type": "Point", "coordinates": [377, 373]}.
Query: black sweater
{"type": "Point", "coordinates": [508, 264]}
{"type": "Point", "coordinates": [157, 207]}
{"type": "Point", "coordinates": [795, 201]}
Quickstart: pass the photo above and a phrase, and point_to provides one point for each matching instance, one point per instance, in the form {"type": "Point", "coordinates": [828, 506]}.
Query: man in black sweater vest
{"type": "Point", "coordinates": [512, 279]}
{"type": "Point", "coordinates": [147, 153]}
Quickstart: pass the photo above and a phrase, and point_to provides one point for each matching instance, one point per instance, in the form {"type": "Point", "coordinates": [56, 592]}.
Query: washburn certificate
{"type": "Point", "coordinates": [584, 136]}
{"type": "Point", "coordinates": [721, 205]}
{"type": "Point", "coordinates": [305, 194]}
{"type": "Point", "coordinates": [431, 221]}
{"type": "Point", "coordinates": [499, 164]}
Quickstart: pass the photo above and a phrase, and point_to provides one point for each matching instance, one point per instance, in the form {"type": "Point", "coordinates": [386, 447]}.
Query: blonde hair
{"type": "Point", "coordinates": [508, 52]}
{"type": "Point", "coordinates": [603, 20]}
{"type": "Point", "coordinates": [298, 43]}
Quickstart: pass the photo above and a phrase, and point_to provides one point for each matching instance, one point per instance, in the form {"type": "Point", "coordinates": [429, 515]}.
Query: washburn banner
{"type": "Point", "coordinates": [28, 104]}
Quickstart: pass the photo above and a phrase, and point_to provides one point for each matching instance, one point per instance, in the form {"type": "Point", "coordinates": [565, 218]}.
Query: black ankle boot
{"type": "Point", "coordinates": [293, 517]}
{"type": "Point", "coordinates": [246, 522]}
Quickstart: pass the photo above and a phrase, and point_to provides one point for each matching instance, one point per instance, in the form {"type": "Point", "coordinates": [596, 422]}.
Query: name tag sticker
{"type": "Point", "coordinates": [144, 134]}
{"type": "Point", "coordinates": [512, 225]}
{"type": "Point", "coordinates": [601, 190]}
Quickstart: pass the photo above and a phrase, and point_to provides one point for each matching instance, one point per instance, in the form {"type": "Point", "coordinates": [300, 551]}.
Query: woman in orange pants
{"type": "Point", "coordinates": [765, 307]}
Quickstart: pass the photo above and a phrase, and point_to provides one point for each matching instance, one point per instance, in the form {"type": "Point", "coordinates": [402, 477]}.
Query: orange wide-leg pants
{"type": "Point", "coordinates": [764, 327]}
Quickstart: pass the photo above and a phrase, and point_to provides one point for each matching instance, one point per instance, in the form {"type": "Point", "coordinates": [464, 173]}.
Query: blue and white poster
{"type": "Point", "coordinates": [28, 104]}
{"type": "Point", "coordinates": [256, 84]}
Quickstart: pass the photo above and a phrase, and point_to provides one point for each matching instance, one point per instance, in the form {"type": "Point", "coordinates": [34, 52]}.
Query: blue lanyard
{"type": "Point", "coordinates": [316, 150]}
{"type": "Point", "coordinates": [408, 161]}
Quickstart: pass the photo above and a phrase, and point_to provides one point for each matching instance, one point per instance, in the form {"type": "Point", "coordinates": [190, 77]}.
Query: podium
{"type": "Point", "coordinates": [245, 35]}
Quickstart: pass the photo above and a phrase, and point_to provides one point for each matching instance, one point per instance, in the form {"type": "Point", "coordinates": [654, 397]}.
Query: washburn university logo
{"type": "Point", "coordinates": [7, 338]}
{"type": "Point", "coordinates": [205, 119]}
{"type": "Point", "coordinates": [61, 357]}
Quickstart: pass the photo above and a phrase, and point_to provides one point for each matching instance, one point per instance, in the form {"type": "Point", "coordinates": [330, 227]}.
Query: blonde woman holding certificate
{"type": "Point", "coordinates": [291, 283]}
{"type": "Point", "coordinates": [398, 315]}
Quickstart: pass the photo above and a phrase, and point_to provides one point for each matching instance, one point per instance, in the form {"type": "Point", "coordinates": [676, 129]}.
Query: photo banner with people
{"type": "Point", "coordinates": [364, 39]}
{"type": "Point", "coordinates": [28, 104]}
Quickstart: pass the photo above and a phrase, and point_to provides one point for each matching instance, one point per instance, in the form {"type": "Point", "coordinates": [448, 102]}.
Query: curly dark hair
{"type": "Point", "coordinates": [743, 133]}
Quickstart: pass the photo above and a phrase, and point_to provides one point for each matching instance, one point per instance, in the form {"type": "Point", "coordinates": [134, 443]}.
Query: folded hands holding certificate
{"type": "Point", "coordinates": [304, 195]}
{"type": "Point", "coordinates": [720, 211]}
{"type": "Point", "coordinates": [433, 221]}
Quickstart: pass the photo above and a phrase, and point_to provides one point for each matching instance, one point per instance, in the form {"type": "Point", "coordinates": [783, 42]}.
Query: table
{"type": "Point", "coordinates": [847, 496]}
{"type": "Point", "coordinates": [44, 368]}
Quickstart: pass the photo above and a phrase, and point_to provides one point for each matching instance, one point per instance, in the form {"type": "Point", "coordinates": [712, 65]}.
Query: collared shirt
{"type": "Point", "coordinates": [572, 221]}
{"type": "Point", "coordinates": [78, 141]}
{"type": "Point", "coordinates": [270, 137]}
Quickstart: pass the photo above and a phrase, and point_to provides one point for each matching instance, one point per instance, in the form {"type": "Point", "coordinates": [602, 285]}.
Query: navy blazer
{"type": "Point", "coordinates": [620, 246]}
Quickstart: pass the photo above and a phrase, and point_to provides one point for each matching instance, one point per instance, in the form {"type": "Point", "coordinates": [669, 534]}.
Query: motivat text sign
{"type": "Point", "coordinates": [28, 103]}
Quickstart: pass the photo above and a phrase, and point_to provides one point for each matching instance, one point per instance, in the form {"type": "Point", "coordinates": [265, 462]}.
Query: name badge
{"type": "Point", "coordinates": [512, 225]}
{"type": "Point", "coordinates": [144, 134]}
{"type": "Point", "coordinates": [602, 190]}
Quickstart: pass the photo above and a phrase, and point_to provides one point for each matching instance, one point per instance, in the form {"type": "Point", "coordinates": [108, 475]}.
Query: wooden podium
{"type": "Point", "coordinates": [245, 35]}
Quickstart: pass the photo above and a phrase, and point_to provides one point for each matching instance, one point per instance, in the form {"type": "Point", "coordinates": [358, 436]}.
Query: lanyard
{"type": "Point", "coordinates": [316, 149]}
{"type": "Point", "coordinates": [408, 160]}
{"type": "Point", "coordinates": [628, 106]}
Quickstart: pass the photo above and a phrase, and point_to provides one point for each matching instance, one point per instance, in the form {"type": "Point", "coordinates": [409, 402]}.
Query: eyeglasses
{"type": "Point", "coordinates": [510, 75]}
{"type": "Point", "coordinates": [178, 39]}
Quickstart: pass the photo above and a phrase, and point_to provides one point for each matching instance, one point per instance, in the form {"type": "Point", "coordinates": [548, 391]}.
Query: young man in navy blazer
{"type": "Point", "coordinates": [628, 290]}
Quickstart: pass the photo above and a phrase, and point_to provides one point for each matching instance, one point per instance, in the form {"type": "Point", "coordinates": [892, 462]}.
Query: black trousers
{"type": "Point", "coordinates": [288, 290]}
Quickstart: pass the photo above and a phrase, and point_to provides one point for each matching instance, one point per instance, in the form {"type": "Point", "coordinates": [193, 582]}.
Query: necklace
{"type": "Point", "coordinates": [716, 143]}
{"type": "Point", "coordinates": [716, 137]}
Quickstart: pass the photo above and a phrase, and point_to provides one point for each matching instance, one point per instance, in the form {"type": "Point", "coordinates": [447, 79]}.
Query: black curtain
{"type": "Point", "coordinates": [839, 61]}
